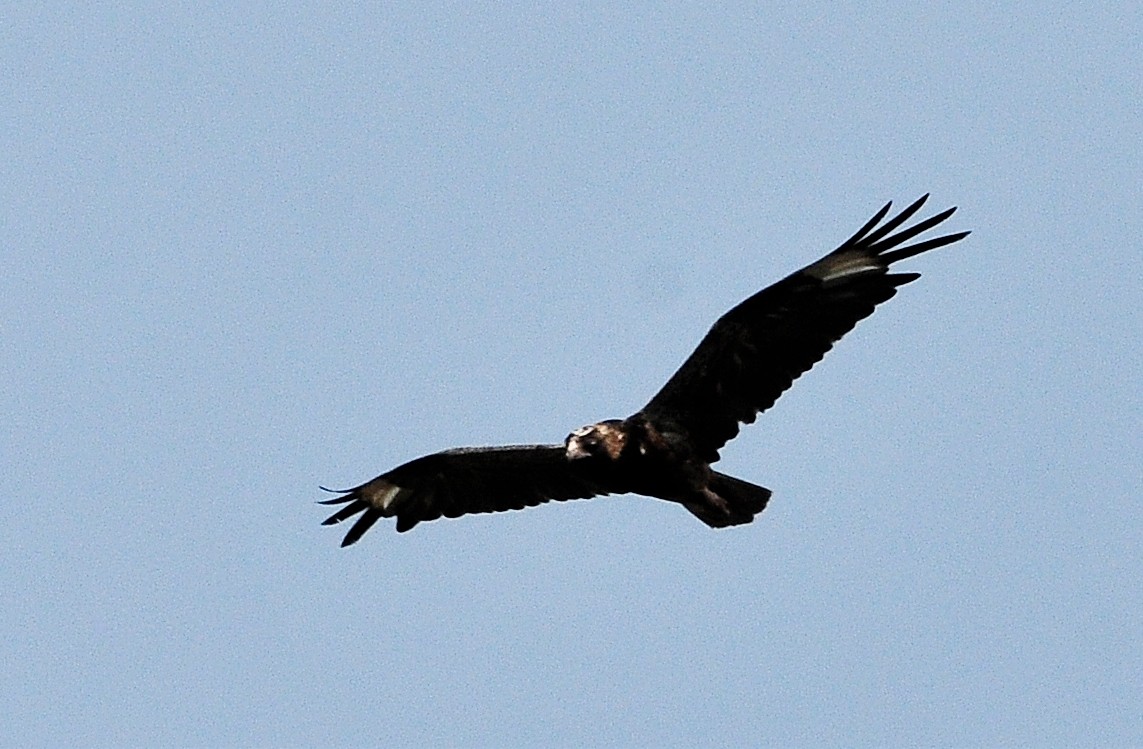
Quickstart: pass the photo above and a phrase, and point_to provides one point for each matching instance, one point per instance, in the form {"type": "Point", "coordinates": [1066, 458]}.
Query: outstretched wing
{"type": "Point", "coordinates": [466, 480]}
{"type": "Point", "coordinates": [756, 350]}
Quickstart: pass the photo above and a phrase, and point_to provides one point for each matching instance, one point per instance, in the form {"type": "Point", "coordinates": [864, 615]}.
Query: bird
{"type": "Point", "coordinates": [748, 358]}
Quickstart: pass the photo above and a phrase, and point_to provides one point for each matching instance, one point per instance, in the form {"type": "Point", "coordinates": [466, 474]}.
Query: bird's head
{"type": "Point", "coordinates": [603, 440]}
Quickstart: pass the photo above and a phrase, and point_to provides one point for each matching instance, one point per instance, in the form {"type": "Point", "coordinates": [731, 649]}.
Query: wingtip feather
{"type": "Point", "coordinates": [364, 523]}
{"type": "Point", "coordinates": [916, 249]}
{"type": "Point", "coordinates": [859, 235]}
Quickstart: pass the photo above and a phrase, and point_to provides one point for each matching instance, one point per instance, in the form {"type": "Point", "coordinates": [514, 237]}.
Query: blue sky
{"type": "Point", "coordinates": [249, 249]}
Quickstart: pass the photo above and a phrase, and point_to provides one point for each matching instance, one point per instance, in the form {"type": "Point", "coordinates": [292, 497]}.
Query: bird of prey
{"type": "Point", "coordinates": [749, 357]}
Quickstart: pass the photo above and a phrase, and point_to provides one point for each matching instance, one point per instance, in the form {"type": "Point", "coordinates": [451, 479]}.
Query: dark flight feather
{"type": "Point", "coordinates": [746, 361]}
{"type": "Point", "coordinates": [467, 480]}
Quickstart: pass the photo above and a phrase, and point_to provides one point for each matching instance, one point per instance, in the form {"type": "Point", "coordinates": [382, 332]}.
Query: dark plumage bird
{"type": "Point", "coordinates": [749, 358]}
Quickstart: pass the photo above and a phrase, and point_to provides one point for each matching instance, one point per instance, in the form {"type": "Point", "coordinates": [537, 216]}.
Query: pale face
{"type": "Point", "coordinates": [595, 440]}
{"type": "Point", "coordinates": [583, 443]}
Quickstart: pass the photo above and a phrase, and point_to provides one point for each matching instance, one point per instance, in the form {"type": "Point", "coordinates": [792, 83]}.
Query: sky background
{"type": "Point", "coordinates": [247, 249]}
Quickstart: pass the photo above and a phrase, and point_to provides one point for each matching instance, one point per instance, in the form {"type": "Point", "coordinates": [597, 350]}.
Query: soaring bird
{"type": "Point", "coordinates": [750, 356]}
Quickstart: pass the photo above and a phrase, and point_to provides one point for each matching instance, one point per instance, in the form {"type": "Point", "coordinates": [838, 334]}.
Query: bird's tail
{"type": "Point", "coordinates": [729, 501]}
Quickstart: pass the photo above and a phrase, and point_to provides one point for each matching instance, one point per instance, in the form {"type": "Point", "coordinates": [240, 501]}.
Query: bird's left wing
{"type": "Point", "coordinates": [467, 480]}
{"type": "Point", "coordinates": [756, 350]}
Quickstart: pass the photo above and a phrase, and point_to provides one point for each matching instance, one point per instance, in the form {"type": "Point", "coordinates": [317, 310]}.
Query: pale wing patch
{"type": "Point", "coordinates": [383, 494]}
{"type": "Point", "coordinates": [833, 267]}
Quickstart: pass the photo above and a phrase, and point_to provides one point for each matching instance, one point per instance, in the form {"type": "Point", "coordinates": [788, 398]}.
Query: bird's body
{"type": "Point", "coordinates": [751, 355]}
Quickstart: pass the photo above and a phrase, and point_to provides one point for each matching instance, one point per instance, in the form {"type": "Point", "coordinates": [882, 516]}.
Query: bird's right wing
{"type": "Point", "coordinates": [468, 480]}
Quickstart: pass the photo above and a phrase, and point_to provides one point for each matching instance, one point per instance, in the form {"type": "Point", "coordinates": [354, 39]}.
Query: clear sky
{"type": "Point", "coordinates": [246, 249]}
